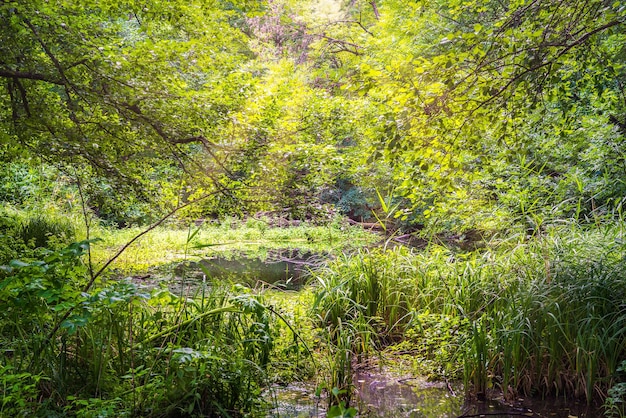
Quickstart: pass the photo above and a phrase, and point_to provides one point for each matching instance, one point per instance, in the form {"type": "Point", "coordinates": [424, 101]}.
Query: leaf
{"type": "Point", "coordinates": [18, 264]}
{"type": "Point", "coordinates": [382, 202]}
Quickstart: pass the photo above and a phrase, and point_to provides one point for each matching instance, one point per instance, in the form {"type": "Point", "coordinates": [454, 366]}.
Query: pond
{"type": "Point", "coordinates": [377, 393]}
{"type": "Point", "coordinates": [282, 269]}
{"type": "Point", "coordinates": [384, 394]}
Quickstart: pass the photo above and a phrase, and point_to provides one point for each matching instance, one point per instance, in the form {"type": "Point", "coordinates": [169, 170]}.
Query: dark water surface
{"type": "Point", "coordinates": [384, 395]}
{"type": "Point", "coordinates": [282, 269]}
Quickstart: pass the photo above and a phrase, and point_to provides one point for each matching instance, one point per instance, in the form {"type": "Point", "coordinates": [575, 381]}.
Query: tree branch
{"type": "Point", "coordinates": [23, 95]}
{"type": "Point", "coordinates": [565, 49]}
{"type": "Point", "coordinates": [375, 9]}
{"type": "Point", "coordinates": [29, 76]}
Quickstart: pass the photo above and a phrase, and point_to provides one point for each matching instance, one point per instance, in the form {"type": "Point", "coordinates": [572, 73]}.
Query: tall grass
{"type": "Point", "coordinates": [557, 324]}
{"type": "Point", "coordinates": [127, 350]}
{"type": "Point", "coordinates": [22, 232]}
{"type": "Point", "coordinates": [539, 316]}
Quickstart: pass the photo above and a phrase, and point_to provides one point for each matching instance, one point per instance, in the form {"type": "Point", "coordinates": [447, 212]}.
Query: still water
{"type": "Point", "coordinates": [384, 395]}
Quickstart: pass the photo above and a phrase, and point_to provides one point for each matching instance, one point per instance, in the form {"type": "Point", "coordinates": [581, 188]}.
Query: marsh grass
{"type": "Point", "coordinates": [544, 315]}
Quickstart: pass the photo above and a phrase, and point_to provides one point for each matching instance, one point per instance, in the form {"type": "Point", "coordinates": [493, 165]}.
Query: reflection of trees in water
{"type": "Point", "coordinates": [286, 268]}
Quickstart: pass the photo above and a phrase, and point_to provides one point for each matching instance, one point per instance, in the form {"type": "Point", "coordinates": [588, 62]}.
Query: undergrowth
{"type": "Point", "coordinates": [124, 350]}
{"type": "Point", "coordinates": [541, 315]}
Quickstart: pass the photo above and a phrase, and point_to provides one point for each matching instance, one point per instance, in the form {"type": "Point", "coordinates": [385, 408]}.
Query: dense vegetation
{"type": "Point", "coordinates": [486, 137]}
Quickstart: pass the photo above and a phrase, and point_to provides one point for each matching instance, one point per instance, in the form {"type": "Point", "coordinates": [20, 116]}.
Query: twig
{"type": "Point", "coordinates": [449, 386]}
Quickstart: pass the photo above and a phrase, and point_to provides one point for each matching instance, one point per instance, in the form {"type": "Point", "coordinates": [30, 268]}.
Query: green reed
{"type": "Point", "coordinates": [544, 315]}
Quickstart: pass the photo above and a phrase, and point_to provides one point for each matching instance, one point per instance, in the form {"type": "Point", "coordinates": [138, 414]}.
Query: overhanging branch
{"type": "Point", "coordinates": [30, 76]}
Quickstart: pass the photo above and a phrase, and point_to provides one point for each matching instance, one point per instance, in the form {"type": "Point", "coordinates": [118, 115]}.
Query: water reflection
{"type": "Point", "coordinates": [296, 400]}
{"type": "Point", "coordinates": [382, 395]}
{"type": "Point", "coordinates": [538, 408]}
{"type": "Point", "coordinates": [284, 269]}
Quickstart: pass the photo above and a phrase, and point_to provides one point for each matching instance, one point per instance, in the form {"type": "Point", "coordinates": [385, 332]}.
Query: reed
{"type": "Point", "coordinates": [544, 315]}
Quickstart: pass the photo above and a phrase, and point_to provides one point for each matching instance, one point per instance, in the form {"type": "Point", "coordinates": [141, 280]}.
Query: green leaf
{"type": "Point", "coordinates": [18, 264]}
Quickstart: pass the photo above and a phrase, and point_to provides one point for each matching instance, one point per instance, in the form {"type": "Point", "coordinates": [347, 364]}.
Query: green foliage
{"type": "Point", "coordinates": [339, 409]}
{"type": "Point", "coordinates": [500, 118]}
{"type": "Point", "coordinates": [25, 185]}
{"type": "Point", "coordinates": [544, 316]}
{"type": "Point", "coordinates": [19, 392]}
{"type": "Point", "coordinates": [433, 341]}
{"type": "Point", "coordinates": [122, 88]}
{"type": "Point", "coordinates": [23, 233]}
{"type": "Point", "coordinates": [11, 247]}
{"type": "Point", "coordinates": [466, 91]}
{"type": "Point", "coordinates": [614, 403]}
{"type": "Point", "coordinates": [124, 350]}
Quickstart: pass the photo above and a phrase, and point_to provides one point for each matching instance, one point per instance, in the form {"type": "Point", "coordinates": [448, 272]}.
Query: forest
{"type": "Point", "coordinates": [205, 202]}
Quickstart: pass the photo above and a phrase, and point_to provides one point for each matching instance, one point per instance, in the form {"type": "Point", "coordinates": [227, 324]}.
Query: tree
{"type": "Point", "coordinates": [122, 87]}
{"type": "Point", "coordinates": [471, 90]}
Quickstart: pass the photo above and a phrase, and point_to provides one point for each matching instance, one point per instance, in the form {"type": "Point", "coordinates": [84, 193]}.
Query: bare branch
{"type": "Point", "coordinates": [375, 9]}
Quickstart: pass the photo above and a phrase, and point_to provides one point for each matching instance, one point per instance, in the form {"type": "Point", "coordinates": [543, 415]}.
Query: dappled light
{"type": "Point", "coordinates": [332, 208]}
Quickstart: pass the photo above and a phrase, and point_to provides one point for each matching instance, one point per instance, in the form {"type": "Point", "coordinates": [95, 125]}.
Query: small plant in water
{"type": "Point", "coordinates": [615, 403]}
{"type": "Point", "coordinates": [338, 408]}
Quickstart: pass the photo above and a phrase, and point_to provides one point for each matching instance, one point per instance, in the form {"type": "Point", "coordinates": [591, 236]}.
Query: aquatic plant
{"type": "Point", "coordinates": [540, 315]}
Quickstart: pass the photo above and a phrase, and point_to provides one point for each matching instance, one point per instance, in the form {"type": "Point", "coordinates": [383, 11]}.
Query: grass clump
{"type": "Point", "coordinates": [44, 230]}
{"type": "Point", "coordinates": [22, 232]}
{"type": "Point", "coordinates": [542, 316]}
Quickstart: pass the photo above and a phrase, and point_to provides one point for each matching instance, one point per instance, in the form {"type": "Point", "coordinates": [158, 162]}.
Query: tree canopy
{"type": "Point", "coordinates": [465, 112]}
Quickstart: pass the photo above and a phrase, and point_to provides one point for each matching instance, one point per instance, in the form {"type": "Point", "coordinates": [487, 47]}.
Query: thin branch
{"type": "Point", "coordinates": [93, 279]}
{"type": "Point", "coordinates": [22, 90]}
{"type": "Point", "coordinates": [375, 9]}
{"type": "Point", "coordinates": [13, 101]}
{"type": "Point", "coordinates": [343, 45]}
{"type": "Point", "coordinates": [550, 62]}
{"type": "Point", "coordinates": [53, 58]}
{"type": "Point", "coordinates": [589, 34]}
{"type": "Point", "coordinates": [86, 219]}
